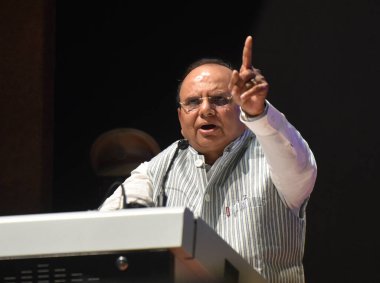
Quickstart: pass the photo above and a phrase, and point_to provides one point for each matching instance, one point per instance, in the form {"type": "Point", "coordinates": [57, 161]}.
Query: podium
{"type": "Point", "coordinates": [133, 245]}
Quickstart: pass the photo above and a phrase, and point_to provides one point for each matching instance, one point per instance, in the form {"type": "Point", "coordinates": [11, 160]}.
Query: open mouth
{"type": "Point", "coordinates": [208, 127]}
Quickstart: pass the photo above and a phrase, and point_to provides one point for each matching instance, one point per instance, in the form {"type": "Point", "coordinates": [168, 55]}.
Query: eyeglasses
{"type": "Point", "coordinates": [193, 103]}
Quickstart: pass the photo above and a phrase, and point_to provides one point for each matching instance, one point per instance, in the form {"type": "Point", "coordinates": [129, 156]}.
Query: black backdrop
{"type": "Point", "coordinates": [118, 65]}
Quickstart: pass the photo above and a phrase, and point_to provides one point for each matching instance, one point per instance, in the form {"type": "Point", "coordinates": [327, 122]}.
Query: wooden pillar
{"type": "Point", "coordinates": [26, 105]}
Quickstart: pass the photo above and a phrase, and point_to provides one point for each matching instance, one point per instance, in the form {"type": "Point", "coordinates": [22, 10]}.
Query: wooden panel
{"type": "Point", "coordinates": [26, 105]}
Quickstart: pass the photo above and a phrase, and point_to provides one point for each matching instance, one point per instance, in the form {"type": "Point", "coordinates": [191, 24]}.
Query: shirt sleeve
{"type": "Point", "coordinates": [292, 164]}
{"type": "Point", "coordinates": [138, 189]}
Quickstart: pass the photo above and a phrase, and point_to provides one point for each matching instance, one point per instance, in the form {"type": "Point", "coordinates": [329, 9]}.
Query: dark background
{"type": "Point", "coordinates": [117, 64]}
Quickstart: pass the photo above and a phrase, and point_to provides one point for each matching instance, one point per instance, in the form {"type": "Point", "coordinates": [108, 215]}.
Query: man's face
{"type": "Point", "coordinates": [209, 128]}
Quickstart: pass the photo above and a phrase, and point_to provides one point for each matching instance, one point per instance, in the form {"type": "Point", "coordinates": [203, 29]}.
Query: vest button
{"type": "Point", "coordinates": [199, 163]}
{"type": "Point", "coordinates": [207, 197]}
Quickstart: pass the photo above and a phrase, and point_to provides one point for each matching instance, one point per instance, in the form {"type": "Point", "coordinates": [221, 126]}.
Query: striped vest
{"type": "Point", "coordinates": [239, 201]}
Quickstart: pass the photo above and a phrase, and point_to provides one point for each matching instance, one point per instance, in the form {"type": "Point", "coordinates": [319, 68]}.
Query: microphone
{"type": "Point", "coordinates": [162, 198]}
{"type": "Point", "coordinates": [124, 204]}
{"type": "Point", "coordinates": [183, 144]}
{"type": "Point", "coordinates": [111, 190]}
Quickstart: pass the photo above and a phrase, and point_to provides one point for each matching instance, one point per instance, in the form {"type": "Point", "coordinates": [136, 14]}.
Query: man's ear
{"type": "Point", "coordinates": [179, 112]}
{"type": "Point", "coordinates": [179, 118]}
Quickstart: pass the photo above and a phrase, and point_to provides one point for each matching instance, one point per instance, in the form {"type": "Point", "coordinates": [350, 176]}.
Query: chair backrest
{"type": "Point", "coordinates": [117, 152]}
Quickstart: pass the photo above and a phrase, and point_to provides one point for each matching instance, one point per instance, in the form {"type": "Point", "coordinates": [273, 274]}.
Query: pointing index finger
{"type": "Point", "coordinates": [247, 53]}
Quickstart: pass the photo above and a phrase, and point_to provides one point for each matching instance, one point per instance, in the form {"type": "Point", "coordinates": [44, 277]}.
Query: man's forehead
{"type": "Point", "coordinates": [202, 76]}
{"type": "Point", "coordinates": [207, 71]}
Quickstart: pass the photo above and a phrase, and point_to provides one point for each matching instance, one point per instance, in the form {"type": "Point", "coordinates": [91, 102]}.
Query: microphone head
{"type": "Point", "coordinates": [183, 144]}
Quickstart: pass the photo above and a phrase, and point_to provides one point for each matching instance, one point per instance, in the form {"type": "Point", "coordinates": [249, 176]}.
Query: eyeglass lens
{"type": "Point", "coordinates": [195, 102]}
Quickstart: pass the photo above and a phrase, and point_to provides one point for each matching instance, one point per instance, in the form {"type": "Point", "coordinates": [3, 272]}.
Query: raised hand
{"type": "Point", "coordinates": [248, 86]}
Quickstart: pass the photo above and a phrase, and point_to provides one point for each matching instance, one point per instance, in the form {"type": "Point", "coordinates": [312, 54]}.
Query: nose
{"type": "Point", "coordinates": [206, 108]}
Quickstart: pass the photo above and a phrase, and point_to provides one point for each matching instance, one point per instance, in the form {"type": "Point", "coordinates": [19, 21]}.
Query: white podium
{"type": "Point", "coordinates": [132, 245]}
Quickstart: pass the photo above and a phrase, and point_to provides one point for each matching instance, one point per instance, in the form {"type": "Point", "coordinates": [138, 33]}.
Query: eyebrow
{"type": "Point", "coordinates": [212, 94]}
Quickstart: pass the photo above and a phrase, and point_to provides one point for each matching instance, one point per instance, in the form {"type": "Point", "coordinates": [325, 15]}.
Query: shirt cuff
{"type": "Point", "coordinates": [268, 123]}
{"type": "Point", "coordinates": [246, 118]}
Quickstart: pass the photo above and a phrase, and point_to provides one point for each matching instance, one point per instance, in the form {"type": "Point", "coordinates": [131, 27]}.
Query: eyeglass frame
{"type": "Point", "coordinates": [200, 99]}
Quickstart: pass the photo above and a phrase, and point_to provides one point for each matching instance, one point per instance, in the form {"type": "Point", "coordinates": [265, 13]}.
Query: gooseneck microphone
{"type": "Point", "coordinates": [111, 190]}
{"type": "Point", "coordinates": [162, 197]}
{"type": "Point", "coordinates": [124, 201]}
